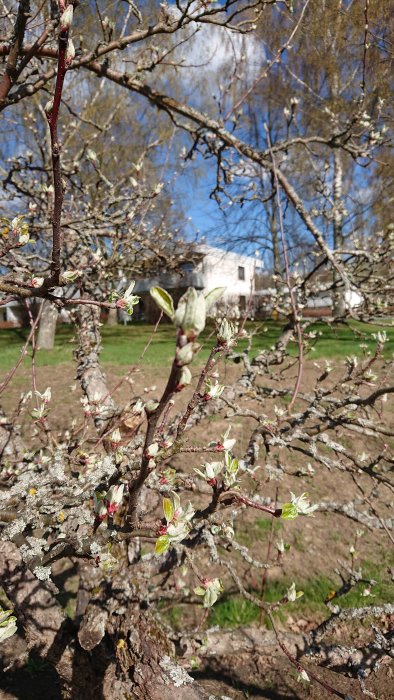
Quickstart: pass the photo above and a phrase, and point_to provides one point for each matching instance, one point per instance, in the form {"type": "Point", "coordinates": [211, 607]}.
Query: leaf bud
{"type": "Point", "coordinates": [66, 18]}
{"type": "Point", "coordinates": [184, 379]}
{"type": "Point", "coordinates": [70, 52]}
{"type": "Point", "coordinates": [48, 108]}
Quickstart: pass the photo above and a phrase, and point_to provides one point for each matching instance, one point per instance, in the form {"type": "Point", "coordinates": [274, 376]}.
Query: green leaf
{"type": "Point", "coordinates": [168, 509]}
{"type": "Point", "coordinates": [211, 597]}
{"type": "Point", "coordinates": [5, 617]}
{"type": "Point", "coordinates": [163, 300]}
{"type": "Point", "coordinates": [289, 511]}
{"type": "Point", "coordinates": [190, 313]}
{"type": "Point", "coordinates": [176, 500]}
{"type": "Point", "coordinates": [212, 296]}
{"type": "Point", "coordinates": [162, 544]}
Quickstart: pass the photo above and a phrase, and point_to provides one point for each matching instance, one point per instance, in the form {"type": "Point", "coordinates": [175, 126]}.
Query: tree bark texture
{"type": "Point", "coordinates": [89, 372]}
{"type": "Point", "coordinates": [114, 651]}
{"type": "Point", "coordinates": [47, 327]}
{"type": "Point", "coordinates": [112, 319]}
{"type": "Point", "coordinates": [11, 443]}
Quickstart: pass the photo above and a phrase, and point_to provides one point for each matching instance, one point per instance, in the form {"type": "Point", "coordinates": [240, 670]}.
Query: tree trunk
{"type": "Point", "coordinates": [338, 297]}
{"type": "Point", "coordinates": [47, 327]}
{"type": "Point", "coordinates": [112, 319]}
{"type": "Point", "coordinates": [130, 658]}
{"type": "Point", "coordinates": [275, 237]}
{"type": "Point", "coordinates": [338, 302]}
{"type": "Point", "coordinates": [89, 372]}
{"type": "Point", "coordinates": [11, 444]}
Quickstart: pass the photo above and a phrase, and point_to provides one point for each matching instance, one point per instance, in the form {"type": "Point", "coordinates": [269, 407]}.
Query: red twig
{"type": "Point", "coordinates": [33, 326]}
{"type": "Point", "coordinates": [249, 502]}
{"type": "Point", "coordinates": [265, 572]}
{"type": "Point", "coordinates": [53, 115]}
{"type": "Point", "coordinates": [300, 668]}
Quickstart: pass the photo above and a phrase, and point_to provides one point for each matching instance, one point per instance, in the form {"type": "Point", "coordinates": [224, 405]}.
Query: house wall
{"type": "Point", "coordinates": [217, 268]}
{"type": "Point", "coordinates": [221, 269]}
{"type": "Point", "coordinates": [12, 315]}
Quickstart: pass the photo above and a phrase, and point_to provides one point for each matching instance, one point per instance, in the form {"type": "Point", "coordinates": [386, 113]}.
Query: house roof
{"type": "Point", "coordinates": [207, 250]}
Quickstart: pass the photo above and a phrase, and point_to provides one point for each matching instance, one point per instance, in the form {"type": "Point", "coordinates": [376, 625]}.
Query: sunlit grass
{"type": "Point", "coordinates": [235, 611]}
{"type": "Point", "coordinates": [124, 345]}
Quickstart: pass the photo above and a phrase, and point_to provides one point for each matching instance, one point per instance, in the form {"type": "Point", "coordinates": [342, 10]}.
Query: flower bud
{"type": "Point", "coordinates": [152, 450]}
{"type": "Point", "coordinates": [213, 391]}
{"type": "Point", "coordinates": [150, 407]}
{"type": "Point", "coordinates": [191, 313]}
{"type": "Point", "coordinates": [70, 275]}
{"type": "Point", "coordinates": [70, 53]}
{"type": "Point", "coordinates": [113, 498]}
{"type": "Point", "coordinates": [92, 156]}
{"type": "Point", "coordinates": [48, 108]}
{"type": "Point", "coordinates": [303, 676]}
{"type": "Point", "coordinates": [66, 18]}
{"type": "Point", "coordinates": [20, 228]}
{"type": "Point", "coordinates": [226, 333]}
{"type": "Point", "coordinates": [115, 438]}
{"type": "Point", "coordinates": [99, 506]}
{"type": "Point", "coordinates": [292, 594]}
{"type": "Point", "coordinates": [184, 356]}
{"type": "Point", "coordinates": [185, 378]}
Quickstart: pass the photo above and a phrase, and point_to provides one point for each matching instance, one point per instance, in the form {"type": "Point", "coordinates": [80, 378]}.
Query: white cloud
{"type": "Point", "coordinates": [220, 52]}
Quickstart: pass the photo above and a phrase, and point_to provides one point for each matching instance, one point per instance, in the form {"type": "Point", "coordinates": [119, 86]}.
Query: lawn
{"type": "Point", "coordinates": [124, 345]}
{"type": "Point", "coordinates": [232, 611]}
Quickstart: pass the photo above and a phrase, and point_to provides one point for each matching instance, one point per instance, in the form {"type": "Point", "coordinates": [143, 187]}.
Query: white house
{"type": "Point", "coordinates": [11, 315]}
{"type": "Point", "coordinates": [235, 272]}
{"type": "Point", "coordinates": [214, 268]}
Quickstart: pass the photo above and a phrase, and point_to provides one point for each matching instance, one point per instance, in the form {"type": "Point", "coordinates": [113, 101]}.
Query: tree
{"type": "Point", "coordinates": [326, 109]}
{"type": "Point", "coordinates": [106, 485]}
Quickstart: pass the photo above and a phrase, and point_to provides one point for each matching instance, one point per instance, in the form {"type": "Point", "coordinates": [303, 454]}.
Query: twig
{"type": "Point", "coordinates": [300, 668]}
{"type": "Point", "coordinates": [265, 572]}
{"type": "Point", "coordinates": [151, 336]}
{"type": "Point", "coordinates": [288, 278]}
{"type": "Point", "coordinates": [12, 371]}
{"type": "Point", "coordinates": [52, 116]}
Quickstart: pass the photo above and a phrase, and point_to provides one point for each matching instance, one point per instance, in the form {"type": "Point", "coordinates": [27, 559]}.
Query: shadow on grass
{"type": "Point", "coordinates": [37, 680]}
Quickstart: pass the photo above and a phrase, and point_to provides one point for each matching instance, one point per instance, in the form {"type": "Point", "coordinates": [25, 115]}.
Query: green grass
{"type": "Point", "coordinates": [264, 525]}
{"type": "Point", "coordinates": [235, 611]}
{"type": "Point", "coordinates": [343, 340]}
{"type": "Point", "coordinates": [123, 345]}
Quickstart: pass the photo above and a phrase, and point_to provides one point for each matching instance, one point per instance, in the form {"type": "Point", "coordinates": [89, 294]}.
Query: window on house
{"type": "Point", "coordinates": [241, 273]}
{"type": "Point", "coordinates": [187, 267]}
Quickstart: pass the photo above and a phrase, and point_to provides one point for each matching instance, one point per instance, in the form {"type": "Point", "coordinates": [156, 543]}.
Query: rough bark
{"type": "Point", "coordinates": [89, 372]}
{"type": "Point", "coordinates": [124, 652]}
{"type": "Point", "coordinates": [112, 319]}
{"type": "Point", "coordinates": [222, 644]}
{"type": "Point", "coordinates": [47, 327]}
{"type": "Point", "coordinates": [39, 616]}
{"type": "Point", "coordinates": [338, 300]}
{"type": "Point", "coordinates": [11, 443]}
